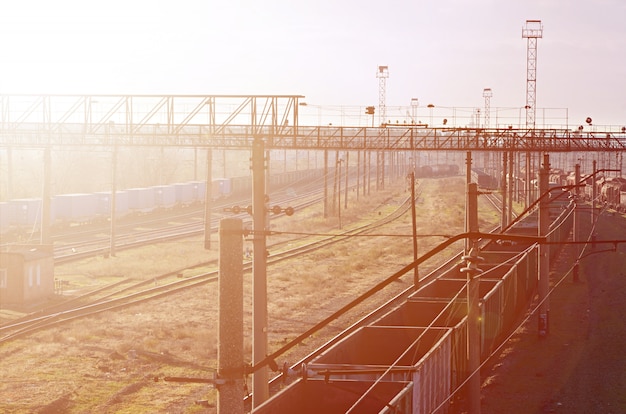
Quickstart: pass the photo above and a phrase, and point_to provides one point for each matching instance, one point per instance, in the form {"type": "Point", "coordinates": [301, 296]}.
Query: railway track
{"type": "Point", "coordinates": [142, 233]}
{"type": "Point", "coordinates": [124, 289]}
{"type": "Point", "coordinates": [125, 293]}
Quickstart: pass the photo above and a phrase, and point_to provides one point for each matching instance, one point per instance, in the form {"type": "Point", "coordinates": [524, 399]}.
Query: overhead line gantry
{"type": "Point", "coordinates": [234, 121]}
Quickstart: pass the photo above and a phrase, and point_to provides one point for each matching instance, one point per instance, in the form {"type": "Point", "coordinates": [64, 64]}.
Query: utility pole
{"type": "Point", "coordinates": [593, 191]}
{"type": "Point", "coordinates": [468, 179]}
{"type": "Point", "coordinates": [544, 249]}
{"type": "Point", "coordinates": [260, 377]}
{"type": "Point", "coordinates": [416, 277]}
{"type": "Point", "coordinates": [45, 237]}
{"type": "Point", "coordinates": [503, 187]}
{"type": "Point", "coordinates": [230, 329]}
{"type": "Point", "coordinates": [473, 302]}
{"type": "Point", "coordinates": [576, 229]}
{"type": "Point", "coordinates": [325, 183]}
{"type": "Point", "coordinates": [510, 188]}
{"type": "Point", "coordinates": [208, 199]}
{"type": "Point", "coordinates": [113, 200]}
{"type": "Point", "coordinates": [345, 198]}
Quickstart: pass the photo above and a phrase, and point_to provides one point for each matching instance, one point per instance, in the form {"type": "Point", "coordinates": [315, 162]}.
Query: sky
{"type": "Point", "coordinates": [443, 52]}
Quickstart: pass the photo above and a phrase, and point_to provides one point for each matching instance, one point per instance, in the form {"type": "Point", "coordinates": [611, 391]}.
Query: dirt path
{"type": "Point", "coordinates": [581, 366]}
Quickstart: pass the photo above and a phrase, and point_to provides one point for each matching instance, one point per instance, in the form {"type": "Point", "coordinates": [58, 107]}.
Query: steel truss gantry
{"type": "Point", "coordinates": [234, 121]}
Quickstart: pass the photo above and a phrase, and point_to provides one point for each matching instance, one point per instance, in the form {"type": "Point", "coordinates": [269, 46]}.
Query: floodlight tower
{"type": "Point", "coordinates": [382, 75]}
{"type": "Point", "coordinates": [414, 105]}
{"type": "Point", "coordinates": [487, 94]}
{"type": "Point", "coordinates": [532, 31]}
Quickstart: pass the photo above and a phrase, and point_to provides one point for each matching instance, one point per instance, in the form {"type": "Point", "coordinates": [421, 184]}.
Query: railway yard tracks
{"type": "Point", "coordinates": [127, 293]}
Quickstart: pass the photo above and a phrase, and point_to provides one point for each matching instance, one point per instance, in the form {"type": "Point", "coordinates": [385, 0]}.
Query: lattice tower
{"type": "Point", "coordinates": [487, 94]}
{"type": "Point", "coordinates": [532, 31]}
{"type": "Point", "coordinates": [382, 75]}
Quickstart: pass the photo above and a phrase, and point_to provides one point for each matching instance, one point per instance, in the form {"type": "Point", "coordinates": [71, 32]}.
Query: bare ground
{"type": "Point", "coordinates": [107, 363]}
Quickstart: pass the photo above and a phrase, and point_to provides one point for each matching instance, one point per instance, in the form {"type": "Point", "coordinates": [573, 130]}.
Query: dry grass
{"type": "Point", "coordinates": [106, 363]}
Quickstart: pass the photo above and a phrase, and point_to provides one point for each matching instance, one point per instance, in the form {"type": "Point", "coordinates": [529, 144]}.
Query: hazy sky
{"type": "Point", "coordinates": [443, 52]}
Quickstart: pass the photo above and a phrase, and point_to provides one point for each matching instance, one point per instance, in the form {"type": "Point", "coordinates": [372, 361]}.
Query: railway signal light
{"type": "Point", "coordinates": [369, 110]}
{"type": "Point", "coordinates": [276, 210]}
{"type": "Point", "coordinates": [233, 209]}
{"type": "Point", "coordinates": [287, 210]}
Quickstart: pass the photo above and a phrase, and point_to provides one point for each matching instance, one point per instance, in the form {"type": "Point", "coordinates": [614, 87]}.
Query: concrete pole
{"type": "Point", "coordinates": [336, 182]}
{"type": "Point", "coordinates": [345, 198]}
{"type": "Point", "coordinates": [377, 171]}
{"type": "Point", "coordinates": [527, 184]}
{"type": "Point", "coordinates": [416, 276]}
{"type": "Point", "coordinates": [468, 180]}
{"type": "Point", "coordinates": [503, 187]}
{"type": "Point", "coordinates": [230, 323]}
{"type": "Point", "coordinates": [594, 193]}
{"type": "Point", "coordinates": [473, 301]}
{"type": "Point", "coordinates": [382, 170]}
{"type": "Point", "coordinates": [369, 172]}
{"type": "Point", "coordinates": [544, 249]}
{"type": "Point", "coordinates": [208, 199]}
{"type": "Point", "coordinates": [358, 174]}
{"type": "Point", "coordinates": [365, 156]}
{"type": "Point", "coordinates": [45, 236]}
{"type": "Point", "coordinates": [260, 378]}
{"type": "Point", "coordinates": [113, 200]}
{"type": "Point", "coordinates": [576, 229]}
{"type": "Point", "coordinates": [325, 183]}
{"type": "Point", "coordinates": [511, 185]}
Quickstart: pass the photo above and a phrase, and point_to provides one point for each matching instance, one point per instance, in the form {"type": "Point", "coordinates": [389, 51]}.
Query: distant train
{"type": "Point", "coordinates": [24, 215]}
{"type": "Point", "coordinates": [484, 180]}
{"type": "Point", "coordinates": [609, 191]}
{"type": "Point", "coordinates": [437, 170]}
{"type": "Point", "coordinates": [613, 193]}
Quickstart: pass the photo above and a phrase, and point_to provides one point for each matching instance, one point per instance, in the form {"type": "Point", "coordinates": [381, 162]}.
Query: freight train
{"type": "Point", "coordinates": [24, 215]}
{"type": "Point", "coordinates": [484, 180]}
{"type": "Point", "coordinates": [414, 358]}
{"type": "Point", "coordinates": [436, 170]}
{"type": "Point", "coordinates": [609, 191]}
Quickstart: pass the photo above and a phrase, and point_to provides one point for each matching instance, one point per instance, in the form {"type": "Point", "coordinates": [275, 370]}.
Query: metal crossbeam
{"type": "Point", "coordinates": [232, 122]}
